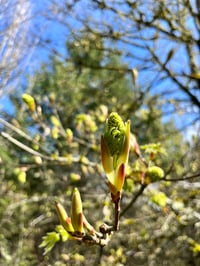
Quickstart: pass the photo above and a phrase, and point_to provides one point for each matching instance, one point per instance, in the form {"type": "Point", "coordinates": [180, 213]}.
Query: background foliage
{"type": "Point", "coordinates": [46, 153]}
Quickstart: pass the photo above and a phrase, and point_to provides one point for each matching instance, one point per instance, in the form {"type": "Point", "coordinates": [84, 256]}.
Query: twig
{"type": "Point", "coordinates": [117, 215]}
{"type": "Point", "coordinates": [17, 130]}
{"type": "Point", "coordinates": [24, 147]}
{"type": "Point", "coordinates": [182, 178]}
{"type": "Point", "coordinates": [140, 191]}
{"type": "Point", "coordinates": [170, 74]}
{"type": "Point", "coordinates": [99, 255]}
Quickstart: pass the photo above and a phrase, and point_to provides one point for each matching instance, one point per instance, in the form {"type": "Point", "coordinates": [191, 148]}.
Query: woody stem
{"type": "Point", "coordinates": [117, 214]}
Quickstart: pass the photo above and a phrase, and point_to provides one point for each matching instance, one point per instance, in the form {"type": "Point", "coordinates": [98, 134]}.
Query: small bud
{"type": "Point", "coordinates": [63, 217]}
{"type": "Point", "coordinates": [29, 100]}
{"type": "Point", "coordinates": [77, 212]}
{"type": "Point", "coordinates": [52, 97]}
{"type": "Point", "coordinates": [134, 146]}
{"type": "Point", "coordinates": [154, 173]}
{"type": "Point", "coordinates": [55, 121]}
{"type": "Point", "coordinates": [69, 135]}
{"type": "Point", "coordinates": [134, 73]}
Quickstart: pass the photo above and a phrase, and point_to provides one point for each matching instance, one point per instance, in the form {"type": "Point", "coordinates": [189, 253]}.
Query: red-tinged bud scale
{"type": "Point", "coordinates": [63, 217]}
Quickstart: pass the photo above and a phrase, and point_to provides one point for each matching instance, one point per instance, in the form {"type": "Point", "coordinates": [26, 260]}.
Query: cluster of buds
{"type": "Point", "coordinates": [77, 223]}
{"type": "Point", "coordinates": [115, 145]}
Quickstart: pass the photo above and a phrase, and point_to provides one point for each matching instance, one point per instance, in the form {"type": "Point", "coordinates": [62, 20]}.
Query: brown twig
{"type": "Point", "coordinates": [99, 256]}
{"type": "Point", "coordinates": [182, 178]}
{"type": "Point", "coordinates": [140, 191]}
{"type": "Point", "coordinates": [117, 215]}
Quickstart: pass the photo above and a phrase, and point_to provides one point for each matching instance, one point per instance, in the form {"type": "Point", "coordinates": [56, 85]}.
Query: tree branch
{"type": "Point", "coordinates": [182, 178]}
{"type": "Point", "coordinates": [172, 76]}
{"type": "Point", "coordinates": [46, 157]}
{"type": "Point", "coordinates": [140, 191]}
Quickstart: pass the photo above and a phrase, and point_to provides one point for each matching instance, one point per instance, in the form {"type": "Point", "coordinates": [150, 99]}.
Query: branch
{"type": "Point", "coordinates": [193, 98]}
{"type": "Point", "coordinates": [99, 256]}
{"type": "Point", "coordinates": [24, 147]}
{"type": "Point", "coordinates": [143, 186]}
{"type": "Point", "coordinates": [17, 130]}
{"type": "Point", "coordinates": [182, 178]}
{"type": "Point", "coordinates": [140, 191]}
{"type": "Point", "coordinates": [117, 215]}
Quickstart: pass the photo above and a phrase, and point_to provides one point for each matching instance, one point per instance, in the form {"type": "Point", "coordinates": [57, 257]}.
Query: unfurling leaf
{"type": "Point", "coordinates": [115, 145]}
{"type": "Point", "coordinates": [49, 241]}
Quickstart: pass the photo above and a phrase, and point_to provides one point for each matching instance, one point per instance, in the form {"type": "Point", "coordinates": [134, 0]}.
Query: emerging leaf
{"type": "Point", "coordinates": [114, 134]}
{"type": "Point", "coordinates": [49, 241]}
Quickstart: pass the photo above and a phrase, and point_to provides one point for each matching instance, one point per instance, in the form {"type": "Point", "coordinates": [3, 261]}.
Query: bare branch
{"type": "Point", "coordinates": [135, 197]}
{"type": "Point", "coordinates": [46, 157]}
{"type": "Point", "coordinates": [182, 178]}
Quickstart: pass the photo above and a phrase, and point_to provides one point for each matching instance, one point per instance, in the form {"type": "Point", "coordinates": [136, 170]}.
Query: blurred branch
{"type": "Point", "coordinates": [24, 147]}
{"type": "Point", "coordinates": [99, 256]}
{"type": "Point", "coordinates": [135, 197]}
{"type": "Point", "coordinates": [17, 130]}
{"type": "Point", "coordinates": [182, 178]}
{"type": "Point", "coordinates": [170, 74]}
{"type": "Point", "coordinates": [49, 158]}
{"type": "Point", "coordinates": [14, 47]}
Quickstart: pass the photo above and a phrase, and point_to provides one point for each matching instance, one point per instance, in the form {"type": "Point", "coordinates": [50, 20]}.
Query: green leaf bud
{"type": "Point", "coordinates": [29, 100]}
{"type": "Point", "coordinates": [63, 217]}
{"type": "Point", "coordinates": [114, 135]}
{"type": "Point", "coordinates": [77, 212]}
{"type": "Point", "coordinates": [154, 173]}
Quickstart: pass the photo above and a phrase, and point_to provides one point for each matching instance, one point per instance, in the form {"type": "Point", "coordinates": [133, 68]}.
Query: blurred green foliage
{"type": "Point", "coordinates": [63, 137]}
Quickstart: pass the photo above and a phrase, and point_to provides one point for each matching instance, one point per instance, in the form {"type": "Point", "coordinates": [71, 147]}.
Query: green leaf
{"type": "Point", "coordinates": [155, 148]}
{"type": "Point", "coordinates": [48, 241]}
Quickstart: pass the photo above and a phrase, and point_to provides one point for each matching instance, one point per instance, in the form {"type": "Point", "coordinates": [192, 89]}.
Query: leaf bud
{"type": "Point", "coordinates": [154, 173]}
{"type": "Point", "coordinates": [63, 217]}
{"type": "Point", "coordinates": [77, 212]}
{"type": "Point", "coordinates": [30, 101]}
